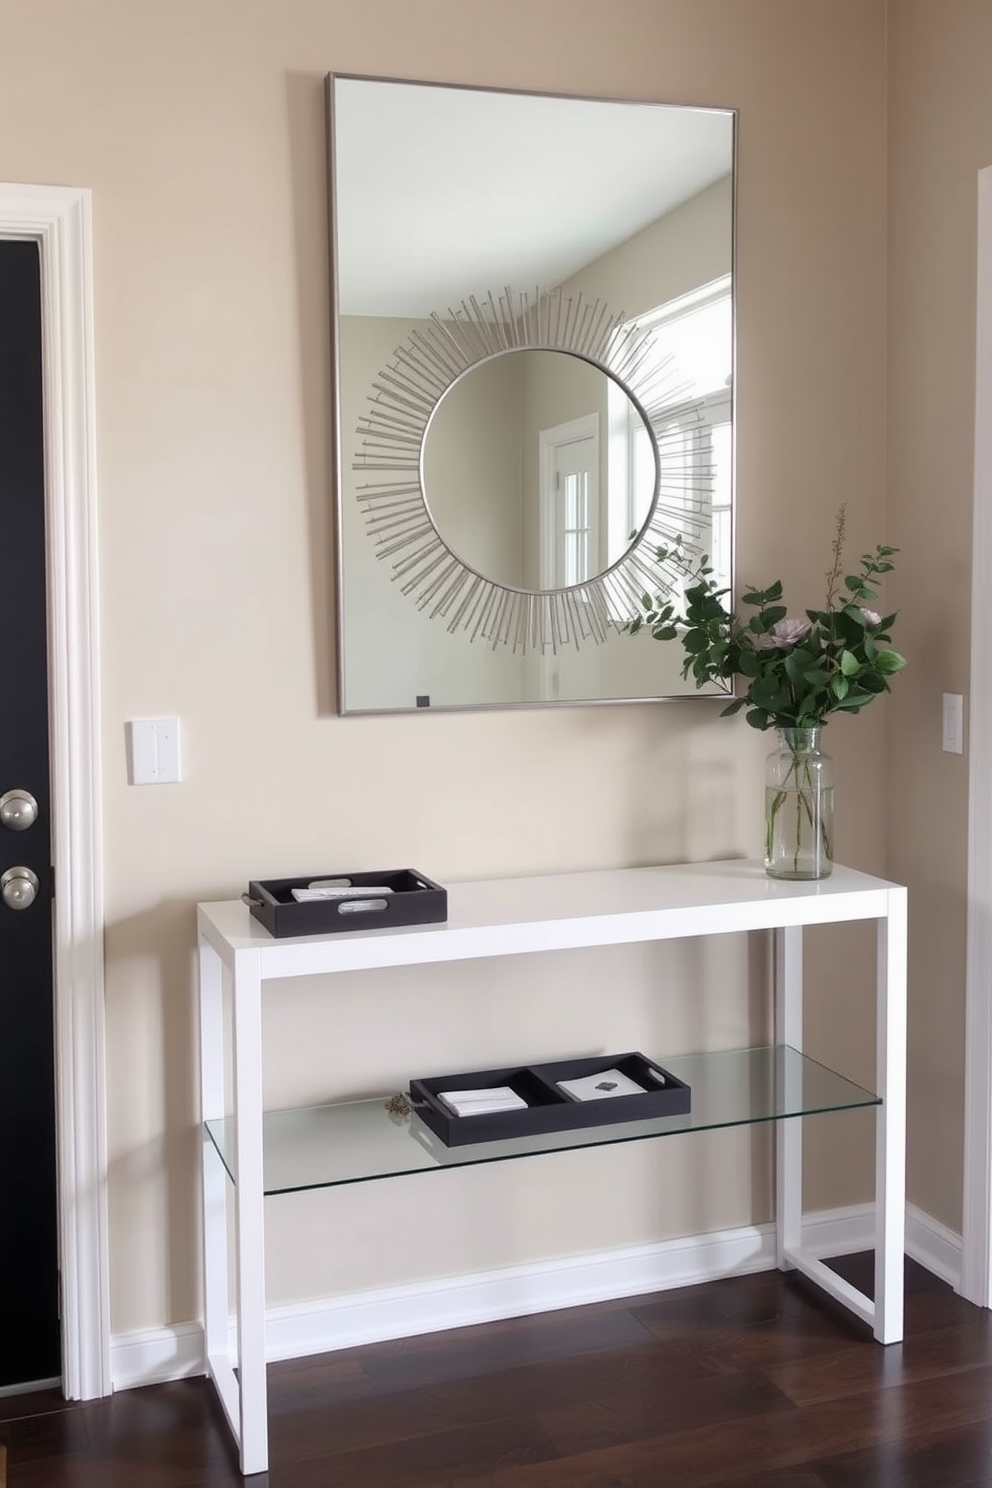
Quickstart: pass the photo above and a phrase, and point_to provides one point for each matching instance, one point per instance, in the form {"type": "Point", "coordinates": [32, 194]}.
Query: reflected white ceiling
{"type": "Point", "coordinates": [441, 193]}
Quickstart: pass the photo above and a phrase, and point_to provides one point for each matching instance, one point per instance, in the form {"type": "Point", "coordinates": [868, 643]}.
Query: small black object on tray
{"type": "Point", "coordinates": [566, 1095]}
{"type": "Point", "coordinates": [330, 902]}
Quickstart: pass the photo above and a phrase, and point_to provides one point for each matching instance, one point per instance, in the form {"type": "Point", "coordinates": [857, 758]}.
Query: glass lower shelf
{"type": "Point", "coordinates": [356, 1141]}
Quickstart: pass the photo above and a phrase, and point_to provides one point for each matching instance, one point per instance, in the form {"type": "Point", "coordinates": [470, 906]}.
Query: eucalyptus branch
{"type": "Point", "coordinates": [834, 572]}
{"type": "Point", "coordinates": [795, 670]}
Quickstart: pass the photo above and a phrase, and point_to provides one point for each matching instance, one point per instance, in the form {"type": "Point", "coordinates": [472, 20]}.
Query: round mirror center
{"type": "Point", "coordinates": [537, 467]}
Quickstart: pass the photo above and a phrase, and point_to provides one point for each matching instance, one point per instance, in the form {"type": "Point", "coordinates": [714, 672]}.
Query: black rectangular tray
{"type": "Point", "coordinates": [415, 900]}
{"type": "Point", "coordinates": [548, 1108]}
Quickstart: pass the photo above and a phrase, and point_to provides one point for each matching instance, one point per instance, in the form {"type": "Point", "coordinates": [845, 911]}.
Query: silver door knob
{"type": "Point", "coordinates": [19, 888]}
{"type": "Point", "coordinates": [18, 810]}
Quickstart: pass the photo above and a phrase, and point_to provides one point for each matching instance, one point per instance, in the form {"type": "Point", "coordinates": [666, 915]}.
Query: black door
{"type": "Point", "coordinates": [30, 1345]}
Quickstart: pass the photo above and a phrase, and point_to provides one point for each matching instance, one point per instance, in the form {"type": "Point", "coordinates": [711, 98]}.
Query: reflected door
{"type": "Point", "coordinates": [570, 521]}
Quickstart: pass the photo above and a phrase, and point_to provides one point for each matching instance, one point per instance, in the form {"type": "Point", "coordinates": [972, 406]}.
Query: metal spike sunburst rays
{"type": "Point", "coordinates": [397, 517]}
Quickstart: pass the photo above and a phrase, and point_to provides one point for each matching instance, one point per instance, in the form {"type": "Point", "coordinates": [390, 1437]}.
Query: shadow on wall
{"type": "Point", "coordinates": [681, 778]}
{"type": "Point", "coordinates": [153, 1086]}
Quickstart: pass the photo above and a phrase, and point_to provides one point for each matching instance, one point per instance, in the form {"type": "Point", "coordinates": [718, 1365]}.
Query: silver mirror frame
{"type": "Point", "coordinates": [403, 400]}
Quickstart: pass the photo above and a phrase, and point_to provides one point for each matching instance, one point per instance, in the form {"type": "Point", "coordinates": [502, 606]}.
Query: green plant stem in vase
{"type": "Point", "coordinates": [799, 807]}
{"type": "Point", "coordinates": [789, 672]}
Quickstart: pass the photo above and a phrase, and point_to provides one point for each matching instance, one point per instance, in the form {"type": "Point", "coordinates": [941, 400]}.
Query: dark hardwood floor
{"type": "Point", "coordinates": [757, 1382]}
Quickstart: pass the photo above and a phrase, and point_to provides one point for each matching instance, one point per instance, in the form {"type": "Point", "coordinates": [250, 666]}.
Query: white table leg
{"type": "Point", "coordinates": [890, 1130]}
{"type": "Point", "coordinates": [213, 1177]}
{"type": "Point", "coordinates": [214, 980]}
{"type": "Point", "coordinates": [789, 1134]}
{"type": "Point", "coordinates": [249, 1213]}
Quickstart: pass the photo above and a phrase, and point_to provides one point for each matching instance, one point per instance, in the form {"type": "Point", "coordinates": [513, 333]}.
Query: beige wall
{"type": "Point", "coordinates": [690, 246]}
{"type": "Point", "coordinates": [199, 127]}
{"type": "Point", "coordinates": [940, 136]}
{"type": "Point", "coordinates": [473, 468]}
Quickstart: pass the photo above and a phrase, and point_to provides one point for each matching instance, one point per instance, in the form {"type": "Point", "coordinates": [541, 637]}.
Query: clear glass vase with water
{"type": "Point", "coordinates": [799, 807]}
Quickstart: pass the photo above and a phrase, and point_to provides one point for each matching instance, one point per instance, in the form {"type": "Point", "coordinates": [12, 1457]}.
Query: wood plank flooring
{"type": "Point", "coordinates": [755, 1382]}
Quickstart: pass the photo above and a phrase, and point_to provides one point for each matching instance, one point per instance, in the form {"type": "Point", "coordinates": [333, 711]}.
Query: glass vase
{"type": "Point", "coordinates": [799, 807]}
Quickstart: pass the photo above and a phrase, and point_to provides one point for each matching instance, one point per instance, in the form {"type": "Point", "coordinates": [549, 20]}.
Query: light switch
{"type": "Point", "coordinates": [153, 751]}
{"type": "Point", "coordinates": [953, 723]}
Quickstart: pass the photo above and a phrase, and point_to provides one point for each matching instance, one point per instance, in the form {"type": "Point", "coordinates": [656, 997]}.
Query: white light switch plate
{"type": "Point", "coordinates": [153, 751]}
{"type": "Point", "coordinates": [953, 734]}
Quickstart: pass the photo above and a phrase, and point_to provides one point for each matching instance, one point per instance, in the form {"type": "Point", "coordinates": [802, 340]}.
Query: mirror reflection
{"type": "Point", "coordinates": [443, 196]}
{"type": "Point", "coordinates": [517, 474]}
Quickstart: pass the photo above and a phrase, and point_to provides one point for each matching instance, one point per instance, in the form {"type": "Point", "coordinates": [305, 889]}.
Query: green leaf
{"type": "Point", "coordinates": [797, 663]}
{"type": "Point", "coordinates": [765, 689]}
{"type": "Point", "coordinates": [774, 591]}
{"type": "Point", "coordinates": [758, 718]}
{"type": "Point", "coordinates": [695, 642]}
{"type": "Point", "coordinates": [665, 632]}
{"type": "Point", "coordinates": [733, 707]}
{"type": "Point", "coordinates": [633, 626]}
{"type": "Point", "coordinates": [889, 661]}
{"type": "Point", "coordinates": [856, 698]}
{"type": "Point", "coordinates": [773, 615]}
{"type": "Point", "coordinates": [849, 663]}
{"type": "Point", "coordinates": [839, 687]}
{"type": "Point", "coordinates": [753, 597]}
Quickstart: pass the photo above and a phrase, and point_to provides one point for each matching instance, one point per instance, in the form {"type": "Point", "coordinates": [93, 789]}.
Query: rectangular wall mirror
{"type": "Point", "coordinates": [533, 320]}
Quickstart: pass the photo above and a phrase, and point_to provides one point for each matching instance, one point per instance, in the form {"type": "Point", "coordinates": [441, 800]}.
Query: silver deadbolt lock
{"type": "Point", "coordinates": [19, 888]}
{"type": "Point", "coordinates": [18, 810]}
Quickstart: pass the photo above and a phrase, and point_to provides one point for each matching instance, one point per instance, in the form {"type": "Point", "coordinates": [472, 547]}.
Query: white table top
{"type": "Point", "coordinates": [556, 911]}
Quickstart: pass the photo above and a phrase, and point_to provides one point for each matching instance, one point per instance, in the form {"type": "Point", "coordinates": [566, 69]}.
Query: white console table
{"type": "Point", "coordinates": [356, 1141]}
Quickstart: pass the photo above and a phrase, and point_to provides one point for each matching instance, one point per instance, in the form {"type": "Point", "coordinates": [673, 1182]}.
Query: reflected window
{"type": "Point", "coordinates": [694, 334]}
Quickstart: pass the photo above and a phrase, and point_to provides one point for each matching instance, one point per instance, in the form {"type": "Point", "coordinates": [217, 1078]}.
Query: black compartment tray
{"type": "Point", "coordinates": [549, 1109]}
{"type": "Point", "coordinates": [415, 900]}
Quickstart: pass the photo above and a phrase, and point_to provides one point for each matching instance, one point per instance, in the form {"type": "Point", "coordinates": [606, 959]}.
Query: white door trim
{"type": "Point", "coordinates": [549, 441]}
{"type": "Point", "coordinates": [58, 218]}
{"type": "Point", "coordinates": [976, 1240]}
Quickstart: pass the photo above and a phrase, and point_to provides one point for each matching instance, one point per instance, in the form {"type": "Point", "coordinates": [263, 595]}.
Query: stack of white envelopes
{"type": "Point", "coordinates": [482, 1102]}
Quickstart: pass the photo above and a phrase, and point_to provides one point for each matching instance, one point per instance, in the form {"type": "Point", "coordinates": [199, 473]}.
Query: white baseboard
{"type": "Point", "coordinates": [154, 1355]}
{"type": "Point", "coordinates": [928, 1242]}
{"type": "Point", "coordinates": [546, 1286]}
{"type": "Point", "coordinates": [151, 1356]}
{"type": "Point", "coordinates": [934, 1246]}
{"type": "Point", "coordinates": [831, 1232]}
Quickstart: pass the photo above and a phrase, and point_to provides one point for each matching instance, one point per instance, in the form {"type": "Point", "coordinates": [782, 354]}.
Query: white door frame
{"type": "Point", "coordinates": [58, 219]}
{"type": "Point", "coordinates": [976, 1246]}
{"type": "Point", "coordinates": [549, 441]}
